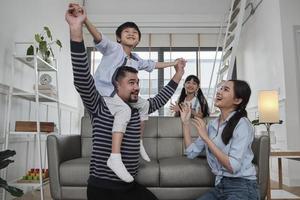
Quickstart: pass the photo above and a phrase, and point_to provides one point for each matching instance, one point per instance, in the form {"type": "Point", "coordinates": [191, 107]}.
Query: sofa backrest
{"type": "Point", "coordinates": [163, 138]}
{"type": "Point", "coordinates": [86, 136]}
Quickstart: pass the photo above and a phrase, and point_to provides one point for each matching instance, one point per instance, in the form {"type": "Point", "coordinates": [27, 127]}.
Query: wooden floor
{"type": "Point", "coordinates": [35, 195]}
{"type": "Point", "coordinates": [293, 190]}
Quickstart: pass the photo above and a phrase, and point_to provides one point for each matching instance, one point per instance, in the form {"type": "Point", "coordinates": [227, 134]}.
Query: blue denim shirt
{"type": "Point", "coordinates": [238, 149]}
{"type": "Point", "coordinates": [113, 57]}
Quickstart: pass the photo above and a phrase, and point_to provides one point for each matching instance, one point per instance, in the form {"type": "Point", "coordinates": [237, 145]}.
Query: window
{"type": "Point", "coordinates": [150, 83]}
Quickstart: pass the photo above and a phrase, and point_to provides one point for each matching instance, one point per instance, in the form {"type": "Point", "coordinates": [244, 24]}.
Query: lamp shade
{"type": "Point", "coordinates": [268, 107]}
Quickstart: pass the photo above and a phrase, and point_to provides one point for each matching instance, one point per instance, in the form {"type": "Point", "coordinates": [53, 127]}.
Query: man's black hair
{"type": "Point", "coordinates": [121, 72]}
{"type": "Point", "coordinates": [127, 25]}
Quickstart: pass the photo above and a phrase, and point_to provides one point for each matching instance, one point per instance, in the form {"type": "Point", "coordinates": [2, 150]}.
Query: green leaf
{"type": "Point", "coordinates": [37, 38]}
{"type": "Point", "coordinates": [30, 50]}
{"type": "Point", "coordinates": [43, 46]}
{"type": "Point", "coordinates": [58, 42]}
{"type": "Point", "coordinates": [48, 32]}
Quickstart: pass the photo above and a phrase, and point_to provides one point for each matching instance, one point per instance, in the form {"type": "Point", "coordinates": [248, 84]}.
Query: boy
{"type": "Point", "coordinates": [116, 54]}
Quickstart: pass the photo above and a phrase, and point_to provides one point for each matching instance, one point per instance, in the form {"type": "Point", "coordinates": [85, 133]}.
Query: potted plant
{"type": "Point", "coordinates": [44, 41]}
{"type": "Point", "coordinates": [4, 162]}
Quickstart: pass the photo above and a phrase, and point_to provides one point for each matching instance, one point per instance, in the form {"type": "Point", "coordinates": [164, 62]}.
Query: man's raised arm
{"type": "Point", "coordinates": [166, 93]}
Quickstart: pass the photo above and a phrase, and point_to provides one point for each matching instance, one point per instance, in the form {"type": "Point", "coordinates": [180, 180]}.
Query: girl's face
{"type": "Point", "coordinates": [225, 97]}
{"type": "Point", "coordinates": [191, 87]}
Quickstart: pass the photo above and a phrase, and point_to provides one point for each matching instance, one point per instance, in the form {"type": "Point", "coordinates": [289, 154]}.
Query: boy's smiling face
{"type": "Point", "coordinates": [129, 37]}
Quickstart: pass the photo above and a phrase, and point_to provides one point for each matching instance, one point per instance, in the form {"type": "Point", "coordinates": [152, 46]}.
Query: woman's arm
{"type": "Point", "coordinates": [193, 149]}
{"type": "Point", "coordinates": [202, 131]}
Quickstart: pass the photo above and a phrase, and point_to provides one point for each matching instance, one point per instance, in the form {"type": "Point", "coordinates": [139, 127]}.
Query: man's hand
{"type": "Point", "coordinates": [75, 15]}
{"type": "Point", "coordinates": [179, 60]}
{"type": "Point", "coordinates": [179, 68]}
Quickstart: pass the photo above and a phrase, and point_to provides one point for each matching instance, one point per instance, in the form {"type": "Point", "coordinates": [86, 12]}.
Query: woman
{"type": "Point", "coordinates": [227, 141]}
{"type": "Point", "coordinates": [191, 93]}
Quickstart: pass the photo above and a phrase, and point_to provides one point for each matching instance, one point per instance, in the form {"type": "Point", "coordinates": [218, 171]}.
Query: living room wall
{"type": "Point", "coordinates": [20, 20]}
{"type": "Point", "coordinates": [267, 61]}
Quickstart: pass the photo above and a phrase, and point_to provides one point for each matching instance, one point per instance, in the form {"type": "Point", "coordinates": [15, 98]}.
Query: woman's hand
{"type": "Point", "coordinates": [201, 128]}
{"type": "Point", "coordinates": [197, 114]}
{"type": "Point", "coordinates": [185, 112]}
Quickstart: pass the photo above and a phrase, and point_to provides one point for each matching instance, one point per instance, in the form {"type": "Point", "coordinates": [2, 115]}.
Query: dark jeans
{"type": "Point", "coordinates": [135, 192]}
{"type": "Point", "coordinates": [233, 189]}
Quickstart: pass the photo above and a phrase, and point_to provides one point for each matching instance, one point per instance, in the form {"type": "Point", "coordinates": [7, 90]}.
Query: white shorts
{"type": "Point", "coordinates": [122, 112]}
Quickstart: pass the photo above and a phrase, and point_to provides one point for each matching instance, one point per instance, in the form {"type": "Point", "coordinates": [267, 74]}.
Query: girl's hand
{"type": "Point", "coordinates": [201, 128]}
{"type": "Point", "coordinates": [174, 107]}
{"type": "Point", "coordinates": [185, 112]}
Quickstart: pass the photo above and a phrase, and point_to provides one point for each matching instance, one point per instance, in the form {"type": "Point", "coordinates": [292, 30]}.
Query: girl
{"type": "Point", "coordinates": [227, 142]}
{"type": "Point", "coordinates": [192, 93]}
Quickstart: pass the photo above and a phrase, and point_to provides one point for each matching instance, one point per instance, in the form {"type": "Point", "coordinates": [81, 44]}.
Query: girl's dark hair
{"type": "Point", "coordinates": [127, 25]}
{"type": "Point", "coordinates": [242, 91]}
{"type": "Point", "coordinates": [200, 96]}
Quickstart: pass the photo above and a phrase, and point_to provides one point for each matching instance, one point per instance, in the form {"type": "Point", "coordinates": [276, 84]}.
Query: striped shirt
{"type": "Point", "coordinates": [102, 120]}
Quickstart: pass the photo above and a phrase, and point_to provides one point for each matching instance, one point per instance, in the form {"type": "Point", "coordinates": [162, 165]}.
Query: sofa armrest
{"type": "Point", "coordinates": [60, 149]}
{"type": "Point", "coordinates": [261, 150]}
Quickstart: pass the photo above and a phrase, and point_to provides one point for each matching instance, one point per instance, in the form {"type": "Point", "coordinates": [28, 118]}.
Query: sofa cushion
{"type": "Point", "coordinates": [148, 174]}
{"type": "Point", "coordinates": [184, 172]}
{"type": "Point", "coordinates": [75, 172]}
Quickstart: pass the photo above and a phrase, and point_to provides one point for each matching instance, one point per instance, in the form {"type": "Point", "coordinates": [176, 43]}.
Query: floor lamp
{"type": "Point", "coordinates": [268, 114]}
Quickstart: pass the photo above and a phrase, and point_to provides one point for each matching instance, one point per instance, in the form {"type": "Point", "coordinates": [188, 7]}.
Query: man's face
{"type": "Point", "coordinates": [128, 88]}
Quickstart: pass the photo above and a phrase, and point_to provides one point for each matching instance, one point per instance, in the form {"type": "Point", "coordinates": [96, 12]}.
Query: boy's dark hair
{"type": "Point", "coordinates": [121, 72]}
{"type": "Point", "coordinates": [127, 25]}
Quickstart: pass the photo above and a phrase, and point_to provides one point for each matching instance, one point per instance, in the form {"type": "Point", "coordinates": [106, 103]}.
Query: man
{"type": "Point", "coordinates": [103, 183]}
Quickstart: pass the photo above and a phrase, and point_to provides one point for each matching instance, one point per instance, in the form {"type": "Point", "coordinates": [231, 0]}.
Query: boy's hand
{"type": "Point", "coordinates": [180, 61]}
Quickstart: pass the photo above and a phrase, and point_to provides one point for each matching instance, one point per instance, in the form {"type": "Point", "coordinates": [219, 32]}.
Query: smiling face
{"type": "Point", "coordinates": [128, 87]}
{"type": "Point", "coordinates": [129, 37]}
{"type": "Point", "coordinates": [191, 86]}
{"type": "Point", "coordinates": [225, 98]}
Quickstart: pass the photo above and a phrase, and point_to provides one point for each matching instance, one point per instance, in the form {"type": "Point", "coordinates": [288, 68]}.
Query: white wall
{"type": "Point", "coordinates": [290, 17]}
{"type": "Point", "coordinates": [20, 20]}
{"type": "Point", "coordinates": [267, 61]}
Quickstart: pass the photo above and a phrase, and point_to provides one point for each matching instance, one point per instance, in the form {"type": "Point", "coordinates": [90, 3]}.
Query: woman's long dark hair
{"type": "Point", "coordinates": [242, 91]}
{"type": "Point", "coordinates": [200, 96]}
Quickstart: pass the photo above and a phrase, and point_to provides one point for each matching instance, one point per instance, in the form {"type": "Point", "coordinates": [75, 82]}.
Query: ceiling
{"type": "Point", "coordinates": [157, 7]}
{"type": "Point", "coordinates": [159, 15]}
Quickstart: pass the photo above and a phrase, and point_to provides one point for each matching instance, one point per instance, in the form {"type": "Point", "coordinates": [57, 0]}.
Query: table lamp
{"type": "Point", "coordinates": [268, 114]}
{"type": "Point", "coordinates": [268, 108]}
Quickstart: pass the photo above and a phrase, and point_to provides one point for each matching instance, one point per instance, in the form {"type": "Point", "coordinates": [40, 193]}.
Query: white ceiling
{"type": "Point", "coordinates": [159, 15]}
{"type": "Point", "coordinates": [157, 7]}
